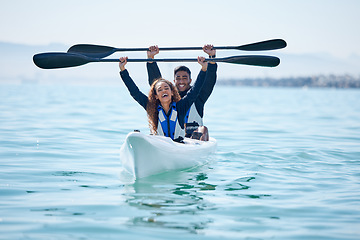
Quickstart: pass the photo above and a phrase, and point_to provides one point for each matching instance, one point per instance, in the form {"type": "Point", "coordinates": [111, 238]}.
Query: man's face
{"type": "Point", "coordinates": [182, 81]}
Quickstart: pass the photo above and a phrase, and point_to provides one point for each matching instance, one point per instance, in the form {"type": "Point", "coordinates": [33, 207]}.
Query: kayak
{"type": "Point", "coordinates": [143, 155]}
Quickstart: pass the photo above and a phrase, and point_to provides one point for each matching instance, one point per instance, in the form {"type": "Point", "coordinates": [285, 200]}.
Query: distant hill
{"type": "Point", "coordinates": [16, 66]}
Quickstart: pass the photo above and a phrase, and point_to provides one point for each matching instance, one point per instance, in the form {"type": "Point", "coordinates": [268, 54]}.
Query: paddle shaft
{"type": "Point", "coordinates": [157, 60]}
{"type": "Point", "coordinates": [177, 49]}
{"type": "Point", "coordinates": [99, 51]}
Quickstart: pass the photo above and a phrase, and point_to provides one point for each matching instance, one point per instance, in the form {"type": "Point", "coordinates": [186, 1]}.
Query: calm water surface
{"type": "Point", "coordinates": [287, 166]}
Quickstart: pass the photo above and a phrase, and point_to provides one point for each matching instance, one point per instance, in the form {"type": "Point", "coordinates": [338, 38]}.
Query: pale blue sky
{"type": "Point", "coordinates": [323, 35]}
{"type": "Point", "coordinates": [307, 25]}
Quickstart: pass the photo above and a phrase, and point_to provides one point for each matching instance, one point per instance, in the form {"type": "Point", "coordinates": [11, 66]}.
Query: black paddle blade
{"type": "Point", "coordinates": [264, 45]}
{"type": "Point", "coordinates": [253, 60]}
{"type": "Point", "coordinates": [54, 60]}
{"type": "Point", "coordinates": [90, 50]}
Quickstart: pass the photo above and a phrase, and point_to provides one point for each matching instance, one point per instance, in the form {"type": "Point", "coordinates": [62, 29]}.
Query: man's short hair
{"type": "Point", "coordinates": [182, 68]}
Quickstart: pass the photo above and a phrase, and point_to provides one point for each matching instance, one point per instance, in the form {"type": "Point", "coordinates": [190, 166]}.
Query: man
{"type": "Point", "coordinates": [182, 79]}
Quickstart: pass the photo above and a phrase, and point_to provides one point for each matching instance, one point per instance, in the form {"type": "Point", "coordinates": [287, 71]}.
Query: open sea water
{"type": "Point", "coordinates": [287, 166]}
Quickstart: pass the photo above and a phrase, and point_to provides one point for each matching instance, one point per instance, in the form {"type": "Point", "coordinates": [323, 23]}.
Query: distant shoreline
{"type": "Point", "coordinates": [320, 81]}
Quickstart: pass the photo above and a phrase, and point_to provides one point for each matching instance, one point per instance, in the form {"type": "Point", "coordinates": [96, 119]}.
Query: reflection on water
{"type": "Point", "coordinates": [186, 200]}
{"type": "Point", "coordinates": [168, 200]}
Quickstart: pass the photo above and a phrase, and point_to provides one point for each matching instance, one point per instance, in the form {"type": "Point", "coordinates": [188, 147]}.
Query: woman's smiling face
{"type": "Point", "coordinates": [163, 92]}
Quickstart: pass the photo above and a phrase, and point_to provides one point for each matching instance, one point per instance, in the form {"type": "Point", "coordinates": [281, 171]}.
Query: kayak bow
{"type": "Point", "coordinates": [144, 155]}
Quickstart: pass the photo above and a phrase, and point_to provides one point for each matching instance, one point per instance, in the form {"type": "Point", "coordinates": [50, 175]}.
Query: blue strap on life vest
{"type": "Point", "coordinates": [168, 123]}
{"type": "Point", "coordinates": [187, 115]}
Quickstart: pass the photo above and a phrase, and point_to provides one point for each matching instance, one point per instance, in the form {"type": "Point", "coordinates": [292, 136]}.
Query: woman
{"type": "Point", "coordinates": [165, 109]}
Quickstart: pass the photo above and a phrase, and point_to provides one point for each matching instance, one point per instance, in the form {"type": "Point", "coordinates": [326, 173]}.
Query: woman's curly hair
{"type": "Point", "coordinates": [153, 103]}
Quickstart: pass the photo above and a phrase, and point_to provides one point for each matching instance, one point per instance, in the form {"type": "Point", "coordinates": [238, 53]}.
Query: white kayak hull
{"type": "Point", "coordinates": [144, 155]}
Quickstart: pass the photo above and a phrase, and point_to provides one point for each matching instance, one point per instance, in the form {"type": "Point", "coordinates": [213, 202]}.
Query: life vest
{"type": "Point", "coordinates": [192, 120]}
{"type": "Point", "coordinates": [169, 125]}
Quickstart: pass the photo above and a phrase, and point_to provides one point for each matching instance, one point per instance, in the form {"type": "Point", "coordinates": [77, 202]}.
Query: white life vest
{"type": "Point", "coordinates": [193, 116]}
{"type": "Point", "coordinates": [192, 121]}
{"type": "Point", "coordinates": [169, 126]}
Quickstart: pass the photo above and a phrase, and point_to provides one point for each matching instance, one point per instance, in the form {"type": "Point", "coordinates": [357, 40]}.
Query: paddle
{"type": "Point", "coordinates": [99, 51]}
{"type": "Point", "coordinates": [64, 60]}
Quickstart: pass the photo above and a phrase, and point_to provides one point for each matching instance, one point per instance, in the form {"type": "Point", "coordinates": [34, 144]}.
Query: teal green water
{"type": "Point", "coordinates": [286, 167]}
